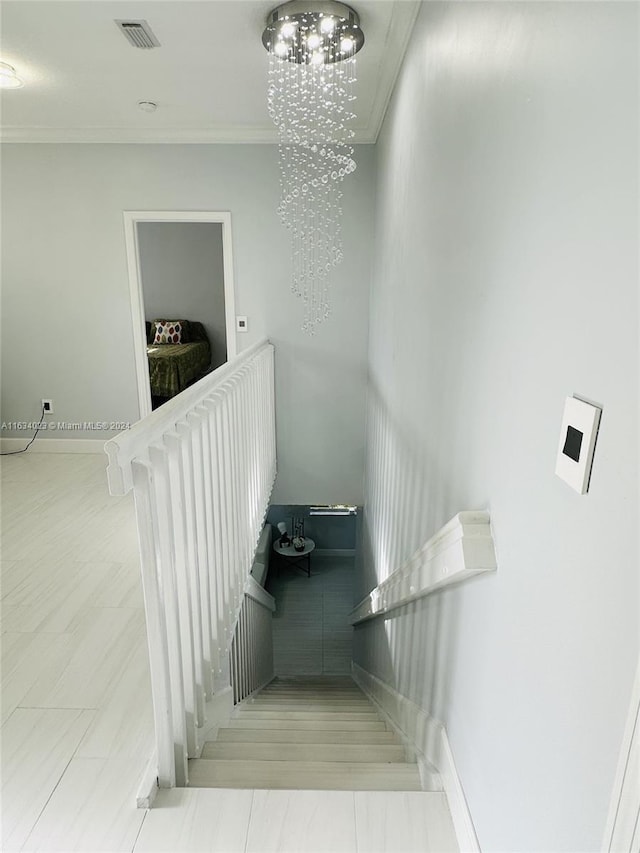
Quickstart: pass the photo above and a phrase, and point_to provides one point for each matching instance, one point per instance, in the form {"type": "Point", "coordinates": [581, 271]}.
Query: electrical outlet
{"type": "Point", "coordinates": [47, 406]}
{"type": "Point", "coordinates": [241, 324]}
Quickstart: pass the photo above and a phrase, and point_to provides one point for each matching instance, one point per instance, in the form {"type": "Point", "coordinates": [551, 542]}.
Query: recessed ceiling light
{"type": "Point", "coordinates": [147, 106]}
{"type": "Point", "coordinates": [8, 77]}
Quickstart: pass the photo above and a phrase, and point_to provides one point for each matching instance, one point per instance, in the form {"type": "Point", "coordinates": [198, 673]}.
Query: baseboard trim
{"type": "Point", "coordinates": [53, 445]}
{"type": "Point", "coordinates": [148, 786]}
{"type": "Point", "coordinates": [429, 737]}
{"type": "Point", "coordinates": [334, 552]}
{"type": "Point", "coordinates": [458, 806]}
{"type": "Point", "coordinates": [624, 806]}
{"type": "Point", "coordinates": [218, 711]}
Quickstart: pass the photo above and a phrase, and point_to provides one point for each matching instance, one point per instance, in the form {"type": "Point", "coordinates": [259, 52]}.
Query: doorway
{"type": "Point", "coordinates": [180, 269]}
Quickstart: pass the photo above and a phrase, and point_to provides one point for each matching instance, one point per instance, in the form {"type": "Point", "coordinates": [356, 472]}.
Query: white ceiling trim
{"type": "Point", "coordinates": [404, 17]}
{"type": "Point", "coordinates": [160, 135]}
{"type": "Point", "coordinates": [229, 135]}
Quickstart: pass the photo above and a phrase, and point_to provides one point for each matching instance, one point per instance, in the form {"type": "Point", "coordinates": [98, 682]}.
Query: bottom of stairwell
{"type": "Point", "coordinates": [318, 733]}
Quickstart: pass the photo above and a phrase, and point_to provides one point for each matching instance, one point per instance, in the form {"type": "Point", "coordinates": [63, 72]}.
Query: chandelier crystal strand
{"type": "Point", "coordinates": [312, 72]}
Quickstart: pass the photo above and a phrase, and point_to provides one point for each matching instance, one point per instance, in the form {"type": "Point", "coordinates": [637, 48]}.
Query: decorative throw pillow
{"type": "Point", "coordinates": [168, 332]}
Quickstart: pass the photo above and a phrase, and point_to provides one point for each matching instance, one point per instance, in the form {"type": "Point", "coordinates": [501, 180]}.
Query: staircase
{"type": "Point", "coordinates": [317, 733]}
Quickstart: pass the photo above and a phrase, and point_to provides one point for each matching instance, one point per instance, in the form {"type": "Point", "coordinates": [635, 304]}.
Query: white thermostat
{"type": "Point", "coordinates": [580, 424]}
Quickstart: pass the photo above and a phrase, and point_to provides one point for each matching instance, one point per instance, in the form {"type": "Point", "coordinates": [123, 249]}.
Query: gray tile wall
{"type": "Point", "coordinates": [327, 531]}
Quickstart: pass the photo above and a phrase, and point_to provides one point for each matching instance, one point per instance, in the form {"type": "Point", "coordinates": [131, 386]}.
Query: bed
{"type": "Point", "coordinates": [174, 366]}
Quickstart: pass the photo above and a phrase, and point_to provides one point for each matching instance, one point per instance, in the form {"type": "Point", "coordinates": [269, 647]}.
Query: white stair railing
{"type": "Point", "coordinates": [201, 468]}
{"type": "Point", "coordinates": [252, 645]}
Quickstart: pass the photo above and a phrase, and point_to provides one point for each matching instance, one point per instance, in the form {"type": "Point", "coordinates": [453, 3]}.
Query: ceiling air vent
{"type": "Point", "coordinates": [139, 33]}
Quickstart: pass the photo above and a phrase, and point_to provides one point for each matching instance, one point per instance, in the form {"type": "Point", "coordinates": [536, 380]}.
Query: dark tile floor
{"type": "Point", "coordinates": [311, 630]}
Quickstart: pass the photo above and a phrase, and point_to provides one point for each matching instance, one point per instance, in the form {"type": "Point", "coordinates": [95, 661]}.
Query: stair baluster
{"type": "Point", "coordinates": [201, 468]}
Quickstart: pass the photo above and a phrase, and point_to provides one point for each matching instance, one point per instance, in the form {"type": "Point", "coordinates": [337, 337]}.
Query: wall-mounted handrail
{"type": "Point", "coordinates": [201, 468]}
{"type": "Point", "coordinates": [462, 548]}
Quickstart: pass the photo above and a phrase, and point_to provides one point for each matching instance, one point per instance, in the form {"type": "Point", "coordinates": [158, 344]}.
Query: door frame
{"type": "Point", "coordinates": [622, 829]}
{"type": "Point", "coordinates": [131, 220]}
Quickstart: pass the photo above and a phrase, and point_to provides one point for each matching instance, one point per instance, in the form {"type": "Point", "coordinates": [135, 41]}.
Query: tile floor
{"type": "Point", "coordinates": [76, 709]}
{"type": "Point", "coordinates": [311, 628]}
{"type": "Point", "coordinates": [76, 704]}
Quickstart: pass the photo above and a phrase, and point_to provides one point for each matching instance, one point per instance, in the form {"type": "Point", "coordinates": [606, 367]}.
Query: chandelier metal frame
{"type": "Point", "coordinates": [333, 22]}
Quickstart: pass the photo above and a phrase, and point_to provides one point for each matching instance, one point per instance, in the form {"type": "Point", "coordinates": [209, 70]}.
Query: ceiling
{"type": "Point", "coordinates": [83, 79]}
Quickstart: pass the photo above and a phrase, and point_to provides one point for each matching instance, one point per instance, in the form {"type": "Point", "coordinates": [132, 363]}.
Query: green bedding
{"type": "Point", "coordinates": [174, 366]}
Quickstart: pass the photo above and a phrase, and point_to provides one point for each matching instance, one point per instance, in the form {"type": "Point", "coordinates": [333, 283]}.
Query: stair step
{"type": "Point", "coordinates": [313, 691]}
{"type": "Point", "coordinates": [308, 734]}
{"type": "Point", "coordinates": [315, 735]}
{"type": "Point", "coordinates": [304, 723]}
{"type": "Point", "coordinates": [318, 699]}
{"type": "Point", "coordinates": [333, 690]}
{"type": "Point", "coordinates": [316, 691]}
{"type": "Point", "coordinates": [325, 752]}
{"type": "Point", "coordinates": [311, 707]}
{"type": "Point", "coordinates": [304, 775]}
{"type": "Point", "coordinates": [327, 689]}
{"type": "Point", "coordinates": [354, 716]}
{"type": "Point", "coordinates": [310, 698]}
{"type": "Point", "coordinates": [313, 680]}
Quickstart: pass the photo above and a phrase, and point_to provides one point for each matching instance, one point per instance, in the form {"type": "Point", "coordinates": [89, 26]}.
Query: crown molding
{"type": "Point", "coordinates": [169, 135]}
{"type": "Point", "coordinates": [404, 17]}
{"type": "Point", "coordinates": [157, 136]}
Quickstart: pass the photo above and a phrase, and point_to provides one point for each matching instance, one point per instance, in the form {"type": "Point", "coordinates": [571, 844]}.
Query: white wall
{"type": "Point", "coordinates": [505, 279]}
{"type": "Point", "coordinates": [182, 274]}
{"type": "Point", "coordinates": [67, 330]}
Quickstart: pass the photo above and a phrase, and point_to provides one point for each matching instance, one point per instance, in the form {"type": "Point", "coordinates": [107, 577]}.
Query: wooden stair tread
{"type": "Point", "coordinates": [310, 696]}
{"type": "Point", "coordinates": [246, 713]}
{"type": "Point", "coordinates": [335, 688]}
{"type": "Point", "coordinates": [304, 775]}
{"type": "Point", "coordinates": [311, 699]}
{"type": "Point", "coordinates": [314, 735]}
{"type": "Point", "coordinates": [259, 705]}
{"type": "Point", "coordinates": [327, 689]}
{"type": "Point", "coordinates": [301, 680]}
{"type": "Point", "coordinates": [370, 753]}
{"type": "Point", "coordinates": [303, 723]}
{"type": "Point", "coordinates": [313, 691]}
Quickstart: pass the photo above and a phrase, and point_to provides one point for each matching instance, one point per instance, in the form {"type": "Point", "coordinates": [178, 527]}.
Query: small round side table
{"type": "Point", "coordinates": [297, 559]}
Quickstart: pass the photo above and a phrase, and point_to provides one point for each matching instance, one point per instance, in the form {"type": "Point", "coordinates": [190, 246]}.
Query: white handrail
{"type": "Point", "coordinates": [201, 468]}
{"type": "Point", "coordinates": [127, 446]}
{"type": "Point", "coordinates": [462, 548]}
{"type": "Point", "coordinates": [252, 646]}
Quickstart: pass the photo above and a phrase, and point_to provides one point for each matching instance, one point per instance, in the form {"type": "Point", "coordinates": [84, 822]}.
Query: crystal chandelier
{"type": "Point", "coordinates": [312, 75]}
